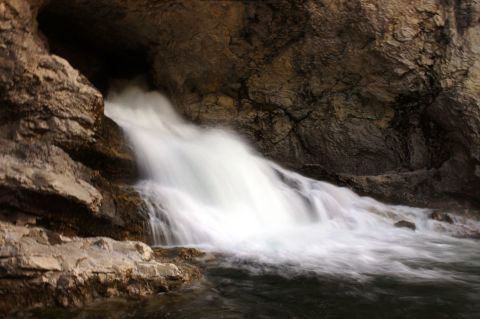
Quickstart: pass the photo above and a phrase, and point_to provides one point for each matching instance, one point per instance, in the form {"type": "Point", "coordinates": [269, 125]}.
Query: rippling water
{"type": "Point", "coordinates": [230, 291]}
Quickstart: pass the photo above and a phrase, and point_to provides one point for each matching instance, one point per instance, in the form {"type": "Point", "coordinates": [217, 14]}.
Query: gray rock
{"type": "Point", "coordinates": [405, 224]}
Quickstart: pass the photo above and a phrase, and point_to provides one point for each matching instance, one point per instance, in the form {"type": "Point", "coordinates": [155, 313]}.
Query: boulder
{"type": "Point", "coordinates": [441, 217]}
{"type": "Point", "coordinates": [405, 224]}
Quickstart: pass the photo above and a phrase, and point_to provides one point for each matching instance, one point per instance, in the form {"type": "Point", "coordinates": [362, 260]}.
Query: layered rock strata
{"type": "Point", "coordinates": [61, 160]}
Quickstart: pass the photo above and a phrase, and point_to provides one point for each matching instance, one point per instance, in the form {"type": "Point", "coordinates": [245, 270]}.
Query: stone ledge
{"type": "Point", "coordinates": [72, 271]}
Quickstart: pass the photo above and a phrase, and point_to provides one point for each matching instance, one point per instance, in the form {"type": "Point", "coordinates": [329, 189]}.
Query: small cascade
{"type": "Point", "coordinates": [206, 187]}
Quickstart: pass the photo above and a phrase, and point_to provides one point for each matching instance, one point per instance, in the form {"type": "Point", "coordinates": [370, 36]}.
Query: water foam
{"type": "Point", "coordinates": [206, 187]}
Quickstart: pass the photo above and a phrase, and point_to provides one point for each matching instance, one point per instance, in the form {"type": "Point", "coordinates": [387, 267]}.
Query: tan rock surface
{"type": "Point", "coordinates": [60, 159]}
{"type": "Point", "coordinates": [38, 268]}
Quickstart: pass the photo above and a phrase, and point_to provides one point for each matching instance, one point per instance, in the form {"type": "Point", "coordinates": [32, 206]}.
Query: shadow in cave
{"type": "Point", "coordinates": [102, 64]}
{"type": "Point", "coordinates": [98, 62]}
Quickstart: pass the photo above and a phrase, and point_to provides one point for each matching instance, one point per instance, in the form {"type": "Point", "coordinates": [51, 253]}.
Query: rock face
{"type": "Point", "coordinates": [39, 267]}
{"type": "Point", "coordinates": [60, 157]}
{"type": "Point", "coordinates": [380, 96]}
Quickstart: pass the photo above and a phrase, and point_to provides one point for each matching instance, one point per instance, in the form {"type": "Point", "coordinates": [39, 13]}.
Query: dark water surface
{"type": "Point", "coordinates": [228, 292]}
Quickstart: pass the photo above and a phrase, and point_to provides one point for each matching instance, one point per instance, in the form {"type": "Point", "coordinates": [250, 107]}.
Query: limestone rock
{"type": "Point", "coordinates": [62, 162]}
{"type": "Point", "coordinates": [45, 170]}
{"type": "Point", "coordinates": [42, 96]}
{"type": "Point", "coordinates": [43, 181]}
{"type": "Point", "coordinates": [72, 271]}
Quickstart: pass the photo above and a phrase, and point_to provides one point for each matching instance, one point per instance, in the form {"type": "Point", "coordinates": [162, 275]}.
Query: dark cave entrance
{"type": "Point", "coordinates": [99, 62]}
{"type": "Point", "coordinates": [102, 64]}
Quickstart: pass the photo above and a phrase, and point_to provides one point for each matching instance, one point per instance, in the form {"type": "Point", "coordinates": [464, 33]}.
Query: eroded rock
{"type": "Point", "coordinates": [61, 160]}
{"type": "Point", "coordinates": [42, 96]}
{"type": "Point", "coordinates": [72, 271]}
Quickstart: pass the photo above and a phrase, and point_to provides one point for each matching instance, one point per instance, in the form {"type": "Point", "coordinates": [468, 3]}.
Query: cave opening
{"type": "Point", "coordinates": [99, 62]}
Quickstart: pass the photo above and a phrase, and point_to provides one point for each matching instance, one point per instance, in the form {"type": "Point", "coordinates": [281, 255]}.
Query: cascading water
{"type": "Point", "coordinates": [206, 187]}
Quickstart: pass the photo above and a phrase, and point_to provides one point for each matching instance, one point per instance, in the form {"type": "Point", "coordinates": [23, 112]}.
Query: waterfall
{"type": "Point", "coordinates": [206, 187]}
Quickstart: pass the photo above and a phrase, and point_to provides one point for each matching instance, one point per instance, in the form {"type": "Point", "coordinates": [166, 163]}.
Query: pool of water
{"type": "Point", "coordinates": [249, 290]}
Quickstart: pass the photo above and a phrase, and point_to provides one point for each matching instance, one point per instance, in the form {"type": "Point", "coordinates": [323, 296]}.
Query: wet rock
{"type": "Point", "coordinates": [110, 154]}
{"type": "Point", "coordinates": [44, 181]}
{"type": "Point", "coordinates": [405, 224]}
{"type": "Point", "coordinates": [34, 272]}
{"type": "Point", "coordinates": [441, 217]}
{"type": "Point", "coordinates": [180, 253]}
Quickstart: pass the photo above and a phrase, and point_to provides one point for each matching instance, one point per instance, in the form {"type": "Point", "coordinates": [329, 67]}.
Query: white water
{"type": "Point", "coordinates": [208, 188]}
